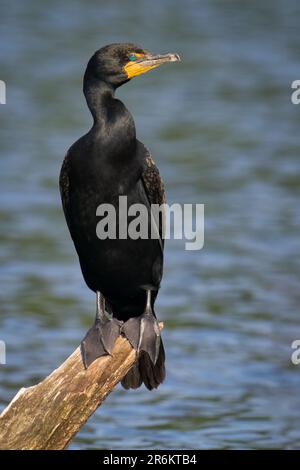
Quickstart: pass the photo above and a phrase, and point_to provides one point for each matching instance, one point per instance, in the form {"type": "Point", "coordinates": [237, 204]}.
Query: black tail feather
{"type": "Point", "coordinates": [144, 371]}
{"type": "Point", "coordinates": [133, 378]}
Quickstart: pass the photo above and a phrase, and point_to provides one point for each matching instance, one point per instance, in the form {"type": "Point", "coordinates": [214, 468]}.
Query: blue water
{"type": "Point", "coordinates": [224, 133]}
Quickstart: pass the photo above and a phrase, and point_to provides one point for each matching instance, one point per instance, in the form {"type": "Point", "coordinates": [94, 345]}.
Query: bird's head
{"type": "Point", "coordinates": [115, 64]}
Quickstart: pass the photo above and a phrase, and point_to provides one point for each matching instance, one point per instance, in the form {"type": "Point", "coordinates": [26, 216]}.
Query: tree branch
{"type": "Point", "coordinates": [49, 414]}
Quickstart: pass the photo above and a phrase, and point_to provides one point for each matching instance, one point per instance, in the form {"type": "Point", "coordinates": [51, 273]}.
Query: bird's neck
{"type": "Point", "coordinates": [98, 94]}
{"type": "Point", "coordinates": [114, 128]}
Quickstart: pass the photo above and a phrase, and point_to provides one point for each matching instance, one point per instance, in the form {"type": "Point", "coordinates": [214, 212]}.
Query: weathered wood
{"type": "Point", "coordinates": [49, 414]}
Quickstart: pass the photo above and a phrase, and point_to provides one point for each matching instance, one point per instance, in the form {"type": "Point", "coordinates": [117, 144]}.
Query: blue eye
{"type": "Point", "coordinates": [133, 57]}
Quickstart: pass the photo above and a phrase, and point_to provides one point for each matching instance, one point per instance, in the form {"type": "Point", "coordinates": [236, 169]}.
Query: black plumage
{"type": "Point", "coordinates": [104, 164]}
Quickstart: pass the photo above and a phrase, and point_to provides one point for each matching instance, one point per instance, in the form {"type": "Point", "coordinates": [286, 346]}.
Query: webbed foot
{"type": "Point", "coordinates": [143, 332]}
{"type": "Point", "coordinates": [100, 339]}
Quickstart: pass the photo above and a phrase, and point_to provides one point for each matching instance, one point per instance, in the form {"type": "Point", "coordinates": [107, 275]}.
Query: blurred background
{"type": "Point", "coordinates": [224, 133]}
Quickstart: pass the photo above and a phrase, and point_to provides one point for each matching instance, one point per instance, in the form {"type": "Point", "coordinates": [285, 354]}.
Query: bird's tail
{"type": "Point", "coordinates": [144, 371]}
{"type": "Point", "coordinates": [149, 367]}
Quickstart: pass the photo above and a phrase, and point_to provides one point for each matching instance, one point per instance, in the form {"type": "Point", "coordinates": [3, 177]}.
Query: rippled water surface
{"type": "Point", "coordinates": [223, 131]}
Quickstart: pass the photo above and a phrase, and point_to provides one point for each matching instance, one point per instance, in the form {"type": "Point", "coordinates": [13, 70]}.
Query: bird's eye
{"type": "Point", "coordinates": [133, 57]}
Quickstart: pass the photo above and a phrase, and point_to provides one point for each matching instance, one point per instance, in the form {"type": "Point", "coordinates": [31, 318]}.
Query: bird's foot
{"type": "Point", "coordinates": [100, 339]}
{"type": "Point", "coordinates": [143, 332]}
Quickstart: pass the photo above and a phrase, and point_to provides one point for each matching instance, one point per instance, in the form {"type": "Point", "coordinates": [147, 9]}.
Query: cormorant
{"type": "Point", "coordinates": [104, 164]}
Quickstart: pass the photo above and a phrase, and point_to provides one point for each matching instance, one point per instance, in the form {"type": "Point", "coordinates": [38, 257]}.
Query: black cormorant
{"type": "Point", "coordinates": [104, 164]}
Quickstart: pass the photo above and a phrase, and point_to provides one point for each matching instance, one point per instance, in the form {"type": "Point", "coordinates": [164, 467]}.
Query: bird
{"type": "Point", "coordinates": [108, 162]}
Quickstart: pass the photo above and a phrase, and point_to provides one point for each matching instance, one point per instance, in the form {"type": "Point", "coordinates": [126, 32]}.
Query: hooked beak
{"type": "Point", "coordinates": [148, 62]}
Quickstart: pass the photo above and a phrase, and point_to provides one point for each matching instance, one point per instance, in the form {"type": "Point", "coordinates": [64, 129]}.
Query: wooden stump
{"type": "Point", "coordinates": [48, 415]}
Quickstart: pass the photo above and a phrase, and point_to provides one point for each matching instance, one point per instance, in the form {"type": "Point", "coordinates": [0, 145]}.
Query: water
{"type": "Point", "coordinates": [224, 133]}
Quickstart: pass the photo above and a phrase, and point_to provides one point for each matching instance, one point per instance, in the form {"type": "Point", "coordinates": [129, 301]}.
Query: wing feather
{"type": "Point", "coordinates": [155, 191]}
